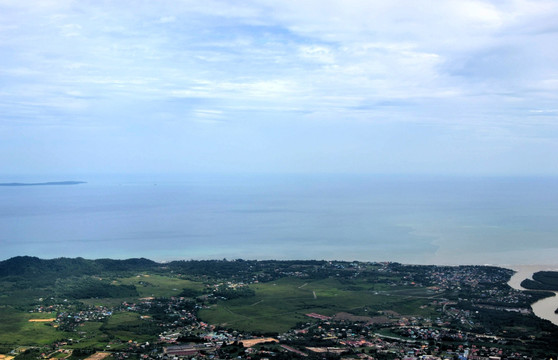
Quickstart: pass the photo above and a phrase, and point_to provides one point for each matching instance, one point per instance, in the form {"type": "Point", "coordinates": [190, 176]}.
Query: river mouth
{"type": "Point", "coordinates": [543, 308]}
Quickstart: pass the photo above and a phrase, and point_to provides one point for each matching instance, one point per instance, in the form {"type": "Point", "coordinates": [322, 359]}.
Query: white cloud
{"type": "Point", "coordinates": [446, 63]}
{"type": "Point", "coordinates": [167, 19]}
{"type": "Point", "coordinates": [70, 30]}
{"type": "Point", "coordinates": [320, 54]}
{"type": "Point", "coordinates": [481, 13]}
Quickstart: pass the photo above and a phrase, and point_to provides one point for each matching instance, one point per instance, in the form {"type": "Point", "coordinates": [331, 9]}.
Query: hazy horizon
{"type": "Point", "coordinates": [408, 219]}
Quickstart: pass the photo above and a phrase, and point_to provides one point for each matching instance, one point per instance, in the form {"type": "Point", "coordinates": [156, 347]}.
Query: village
{"type": "Point", "coordinates": [321, 337]}
{"type": "Point", "coordinates": [177, 332]}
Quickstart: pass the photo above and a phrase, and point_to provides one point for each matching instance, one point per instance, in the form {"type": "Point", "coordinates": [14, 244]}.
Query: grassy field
{"type": "Point", "coordinates": [92, 336]}
{"type": "Point", "coordinates": [21, 297]}
{"type": "Point", "coordinates": [127, 326]}
{"type": "Point", "coordinates": [123, 326]}
{"type": "Point", "coordinates": [109, 302]}
{"type": "Point", "coordinates": [148, 285]}
{"type": "Point", "coordinates": [15, 328]}
{"type": "Point", "coordinates": [279, 305]}
{"type": "Point", "coordinates": [158, 286]}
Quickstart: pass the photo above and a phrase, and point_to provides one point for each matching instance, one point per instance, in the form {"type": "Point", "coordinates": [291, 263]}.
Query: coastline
{"type": "Point", "coordinates": [544, 308]}
{"type": "Point", "coordinates": [44, 183]}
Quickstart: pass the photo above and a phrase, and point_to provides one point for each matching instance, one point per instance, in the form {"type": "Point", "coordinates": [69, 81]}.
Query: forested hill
{"type": "Point", "coordinates": [28, 270]}
{"type": "Point", "coordinates": [35, 269]}
{"type": "Point", "coordinates": [32, 271]}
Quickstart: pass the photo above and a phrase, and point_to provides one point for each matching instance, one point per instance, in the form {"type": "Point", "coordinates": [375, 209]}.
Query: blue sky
{"type": "Point", "coordinates": [458, 87]}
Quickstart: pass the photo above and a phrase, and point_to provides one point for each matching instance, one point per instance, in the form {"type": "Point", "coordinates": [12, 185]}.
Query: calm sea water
{"type": "Point", "coordinates": [426, 220]}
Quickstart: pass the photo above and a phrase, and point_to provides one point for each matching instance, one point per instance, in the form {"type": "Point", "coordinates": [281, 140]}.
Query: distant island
{"type": "Point", "coordinates": [44, 183]}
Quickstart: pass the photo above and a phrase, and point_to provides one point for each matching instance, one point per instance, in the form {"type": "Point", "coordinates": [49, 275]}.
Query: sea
{"type": "Point", "coordinates": [449, 220]}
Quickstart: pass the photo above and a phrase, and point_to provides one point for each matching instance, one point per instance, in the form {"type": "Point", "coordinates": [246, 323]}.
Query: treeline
{"type": "Point", "coordinates": [143, 328]}
{"type": "Point", "coordinates": [88, 288]}
{"type": "Point", "coordinates": [229, 293]}
{"type": "Point", "coordinates": [241, 269]}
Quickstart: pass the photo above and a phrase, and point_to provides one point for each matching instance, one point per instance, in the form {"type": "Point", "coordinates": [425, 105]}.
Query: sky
{"type": "Point", "coordinates": [267, 86]}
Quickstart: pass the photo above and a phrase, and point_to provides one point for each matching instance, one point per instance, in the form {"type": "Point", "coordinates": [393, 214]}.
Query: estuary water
{"type": "Point", "coordinates": [543, 308]}
{"type": "Point", "coordinates": [408, 219]}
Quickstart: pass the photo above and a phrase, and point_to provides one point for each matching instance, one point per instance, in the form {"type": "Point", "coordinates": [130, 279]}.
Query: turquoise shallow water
{"type": "Point", "coordinates": [443, 220]}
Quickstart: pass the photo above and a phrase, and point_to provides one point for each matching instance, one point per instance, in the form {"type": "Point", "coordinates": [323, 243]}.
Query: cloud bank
{"type": "Point", "coordinates": [279, 86]}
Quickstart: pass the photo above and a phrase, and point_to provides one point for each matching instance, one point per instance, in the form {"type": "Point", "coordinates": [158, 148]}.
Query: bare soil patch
{"type": "Point", "coordinates": [251, 342]}
{"type": "Point", "coordinates": [366, 319]}
{"type": "Point", "coordinates": [42, 320]}
{"type": "Point", "coordinates": [98, 356]}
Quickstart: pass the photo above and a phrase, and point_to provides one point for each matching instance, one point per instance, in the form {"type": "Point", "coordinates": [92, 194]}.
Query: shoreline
{"type": "Point", "coordinates": [525, 269]}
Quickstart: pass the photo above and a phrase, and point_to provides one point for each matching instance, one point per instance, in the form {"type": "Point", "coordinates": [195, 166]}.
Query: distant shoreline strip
{"type": "Point", "coordinates": [45, 183]}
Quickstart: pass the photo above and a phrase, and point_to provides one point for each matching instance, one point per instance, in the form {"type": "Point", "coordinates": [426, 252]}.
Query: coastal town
{"type": "Point", "coordinates": [467, 312]}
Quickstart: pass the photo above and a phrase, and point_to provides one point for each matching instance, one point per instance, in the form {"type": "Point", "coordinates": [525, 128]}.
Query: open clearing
{"type": "Point", "coordinates": [98, 356]}
{"type": "Point", "coordinates": [279, 305]}
{"type": "Point", "coordinates": [251, 342]}
{"type": "Point", "coordinates": [149, 286]}
{"type": "Point", "coordinates": [16, 327]}
{"type": "Point", "coordinates": [158, 285]}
